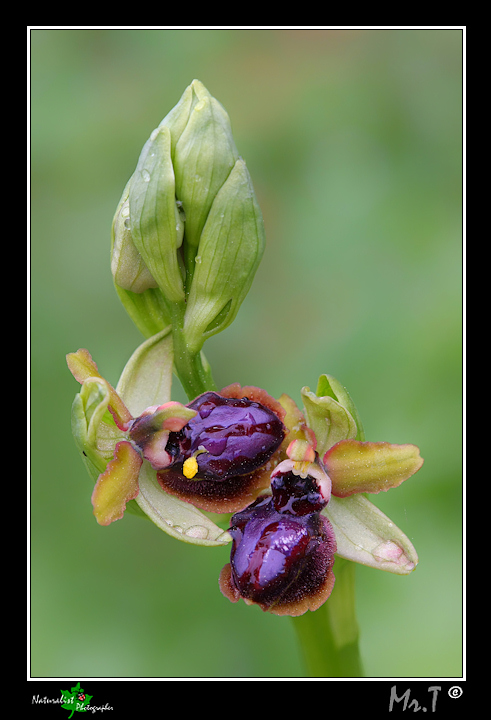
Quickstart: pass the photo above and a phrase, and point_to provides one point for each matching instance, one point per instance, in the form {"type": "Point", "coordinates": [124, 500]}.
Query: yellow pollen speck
{"type": "Point", "coordinates": [190, 467]}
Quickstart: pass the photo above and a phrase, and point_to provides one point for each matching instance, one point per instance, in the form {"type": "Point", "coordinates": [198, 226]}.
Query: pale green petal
{"type": "Point", "coordinates": [117, 485]}
{"type": "Point", "coordinates": [358, 467]}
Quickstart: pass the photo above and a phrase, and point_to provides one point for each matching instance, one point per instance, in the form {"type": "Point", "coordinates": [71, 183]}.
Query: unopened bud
{"type": "Point", "coordinates": [156, 223]}
{"type": "Point", "coordinates": [188, 222]}
{"type": "Point", "coordinates": [127, 265]}
{"type": "Point", "coordinates": [204, 156]}
{"type": "Point", "coordinates": [230, 250]}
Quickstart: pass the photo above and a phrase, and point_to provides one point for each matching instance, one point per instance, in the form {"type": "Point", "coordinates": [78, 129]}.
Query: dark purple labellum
{"type": "Point", "coordinates": [228, 436]}
{"type": "Point", "coordinates": [277, 557]}
{"type": "Point", "coordinates": [296, 495]}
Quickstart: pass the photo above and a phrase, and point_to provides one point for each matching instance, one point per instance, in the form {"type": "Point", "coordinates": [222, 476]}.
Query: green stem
{"type": "Point", "coordinates": [329, 636]}
{"type": "Point", "coordinates": [192, 369]}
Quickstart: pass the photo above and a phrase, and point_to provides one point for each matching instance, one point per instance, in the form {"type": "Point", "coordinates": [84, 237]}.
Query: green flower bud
{"type": "Point", "coordinates": [230, 249]}
{"type": "Point", "coordinates": [188, 232]}
{"type": "Point", "coordinates": [156, 223]}
{"type": "Point", "coordinates": [127, 266]}
{"type": "Point", "coordinates": [137, 289]}
{"type": "Point", "coordinates": [204, 155]}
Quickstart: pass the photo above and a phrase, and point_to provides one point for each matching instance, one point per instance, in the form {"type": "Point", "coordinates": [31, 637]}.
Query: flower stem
{"type": "Point", "coordinates": [191, 368]}
{"type": "Point", "coordinates": [329, 636]}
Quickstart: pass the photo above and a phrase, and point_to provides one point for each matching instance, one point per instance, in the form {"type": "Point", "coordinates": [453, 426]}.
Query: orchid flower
{"type": "Point", "coordinates": [216, 452]}
{"type": "Point", "coordinates": [242, 450]}
{"type": "Point", "coordinates": [284, 544]}
{"type": "Point", "coordinates": [187, 239]}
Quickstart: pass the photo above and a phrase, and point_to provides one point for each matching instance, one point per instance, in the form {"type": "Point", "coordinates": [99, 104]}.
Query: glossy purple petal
{"type": "Point", "coordinates": [297, 495]}
{"type": "Point", "coordinates": [229, 436]}
{"type": "Point", "coordinates": [279, 561]}
{"type": "Point", "coordinates": [300, 489]}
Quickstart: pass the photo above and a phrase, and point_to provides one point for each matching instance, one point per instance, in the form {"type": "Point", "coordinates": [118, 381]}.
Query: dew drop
{"type": "Point", "coordinates": [197, 531]}
{"type": "Point", "coordinates": [146, 175]}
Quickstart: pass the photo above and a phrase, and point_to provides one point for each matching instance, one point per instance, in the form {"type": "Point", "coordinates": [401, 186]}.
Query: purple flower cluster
{"type": "Point", "coordinates": [222, 459]}
{"type": "Point", "coordinates": [283, 548]}
{"type": "Point", "coordinates": [225, 452]}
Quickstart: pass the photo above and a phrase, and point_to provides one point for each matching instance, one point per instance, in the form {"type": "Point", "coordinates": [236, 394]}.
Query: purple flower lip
{"type": "Point", "coordinates": [283, 548]}
{"type": "Point", "coordinates": [228, 437]}
{"type": "Point", "coordinates": [300, 488]}
{"type": "Point", "coordinates": [222, 458]}
{"type": "Point", "coordinates": [296, 494]}
{"type": "Point", "coordinates": [280, 561]}
{"type": "Point", "coordinates": [266, 545]}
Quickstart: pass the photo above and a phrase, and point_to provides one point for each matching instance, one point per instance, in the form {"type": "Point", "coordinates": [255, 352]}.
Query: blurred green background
{"type": "Point", "coordinates": [353, 139]}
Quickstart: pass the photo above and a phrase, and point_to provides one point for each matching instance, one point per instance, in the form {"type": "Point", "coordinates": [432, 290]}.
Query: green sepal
{"type": "Point", "coordinates": [142, 300]}
{"type": "Point", "coordinates": [83, 368]}
{"type": "Point", "coordinates": [177, 118]}
{"type": "Point", "coordinates": [147, 376]}
{"type": "Point", "coordinates": [330, 421]}
{"type": "Point", "coordinates": [179, 519]}
{"type": "Point", "coordinates": [330, 387]}
{"type": "Point", "coordinates": [367, 536]}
